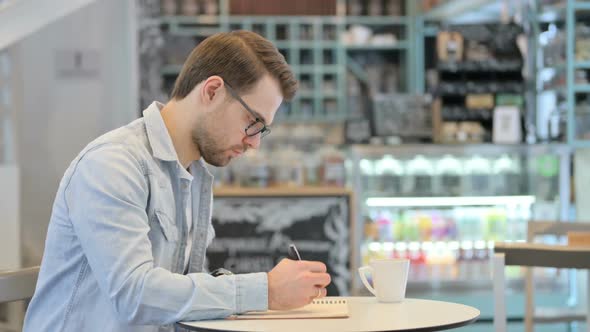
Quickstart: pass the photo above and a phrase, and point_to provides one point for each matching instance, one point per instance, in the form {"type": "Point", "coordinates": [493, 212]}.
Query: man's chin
{"type": "Point", "coordinates": [218, 162]}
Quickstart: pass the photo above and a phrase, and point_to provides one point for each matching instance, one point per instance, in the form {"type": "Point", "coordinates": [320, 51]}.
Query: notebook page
{"type": "Point", "coordinates": [328, 307]}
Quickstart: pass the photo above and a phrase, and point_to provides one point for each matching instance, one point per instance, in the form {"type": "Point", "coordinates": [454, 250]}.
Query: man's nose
{"type": "Point", "coordinates": [253, 142]}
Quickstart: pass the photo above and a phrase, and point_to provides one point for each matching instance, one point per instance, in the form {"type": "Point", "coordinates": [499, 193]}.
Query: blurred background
{"type": "Point", "coordinates": [422, 129]}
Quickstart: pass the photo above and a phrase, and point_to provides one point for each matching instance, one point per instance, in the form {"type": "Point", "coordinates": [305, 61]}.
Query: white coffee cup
{"type": "Point", "coordinates": [390, 277]}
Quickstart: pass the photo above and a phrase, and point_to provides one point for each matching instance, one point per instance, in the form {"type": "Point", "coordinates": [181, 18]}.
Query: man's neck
{"type": "Point", "coordinates": [179, 130]}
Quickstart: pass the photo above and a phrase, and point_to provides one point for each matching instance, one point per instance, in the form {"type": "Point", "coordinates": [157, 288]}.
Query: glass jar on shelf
{"type": "Point", "coordinates": [368, 181]}
{"type": "Point", "coordinates": [517, 217]}
{"type": "Point", "coordinates": [253, 169]}
{"type": "Point", "coordinates": [418, 180]}
{"type": "Point", "coordinates": [211, 7]}
{"type": "Point", "coordinates": [477, 176]}
{"type": "Point", "coordinates": [311, 165]}
{"type": "Point", "coordinates": [169, 7]}
{"type": "Point", "coordinates": [332, 169]}
{"type": "Point", "coordinates": [449, 170]}
{"type": "Point", "coordinates": [190, 7]}
{"type": "Point", "coordinates": [507, 176]}
{"type": "Point", "coordinates": [294, 174]}
{"type": "Point", "coordinates": [389, 173]}
{"type": "Point", "coordinates": [543, 177]}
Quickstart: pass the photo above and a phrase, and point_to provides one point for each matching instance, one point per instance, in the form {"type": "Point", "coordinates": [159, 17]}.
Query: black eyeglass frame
{"type": "Point", "coordinates": [264, 130]}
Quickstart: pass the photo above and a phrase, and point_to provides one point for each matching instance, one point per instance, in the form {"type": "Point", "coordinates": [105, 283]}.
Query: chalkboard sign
{"type": "Point", "coordinates": [255, 227]}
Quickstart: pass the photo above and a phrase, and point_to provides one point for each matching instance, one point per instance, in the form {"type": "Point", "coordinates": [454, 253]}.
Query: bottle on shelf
{"type": "Point", "coordinates": [411, 231]}
{"type": "Point", "coordinates": [417, 261]}
{"type": "Point", "coordinates": [371, 230]}
{"type": "Point", "coordinates": [424, 222]}
{"type": "Point", "coordinates": [495, 229]}
{"type": "Point", "coordinates": [399, 226]}
{"type": "Point", "coordinates": [374, 8]}
{"type": "Point", "coordinates": [355, 8]}
{"type": "Point", "coordinates": [385, 225]}
{"type": "Point", "coordinates": [438, 230]}
{"type": "Point", "coordinates": [465, 261]}
{"type": "Point", "coordinates": [481, 261]}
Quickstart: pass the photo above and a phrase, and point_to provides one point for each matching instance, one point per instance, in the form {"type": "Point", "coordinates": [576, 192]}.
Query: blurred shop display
{"type": "Point", "coordinates": [561, 31]}
{"type": "Point", "coordinates": [402, 115]}
{"type": "Point", "coordinates": [445, 206]}
{"type": "Point", "coordinates": [292, 156]}
{"type": "Point", "coordinates": [331, 46]}
{"type": "Point", "coordinates": [479, 68]}
{"type": "Point", "coordinates": [309, 43]}
{"type": "Point", "coordinates": [285, 167]}
{"type": "Point", "coordinates": [551, 81]}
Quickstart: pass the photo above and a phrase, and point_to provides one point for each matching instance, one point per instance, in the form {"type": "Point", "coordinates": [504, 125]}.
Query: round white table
{"type": "Point", "coordinates": [366, 314]}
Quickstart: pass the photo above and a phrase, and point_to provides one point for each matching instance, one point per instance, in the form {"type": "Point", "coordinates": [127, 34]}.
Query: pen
{"type": "Point", "coordinates": [293, 252]}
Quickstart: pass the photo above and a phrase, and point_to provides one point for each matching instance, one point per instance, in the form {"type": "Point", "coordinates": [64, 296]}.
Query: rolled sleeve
{"type": "Point", "coordinates": [251, 292]}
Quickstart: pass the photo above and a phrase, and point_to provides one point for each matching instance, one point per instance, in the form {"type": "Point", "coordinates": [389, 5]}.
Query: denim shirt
{"type": "Point", "coordinates": [115, 248]}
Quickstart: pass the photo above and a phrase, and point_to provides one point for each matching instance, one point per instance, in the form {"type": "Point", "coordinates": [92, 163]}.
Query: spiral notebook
{"type": "Point", "coordinates": [328, 307]}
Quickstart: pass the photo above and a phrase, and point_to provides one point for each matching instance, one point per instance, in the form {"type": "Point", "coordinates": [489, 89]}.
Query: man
{"type": "Point", "coordinates": [131, 220]}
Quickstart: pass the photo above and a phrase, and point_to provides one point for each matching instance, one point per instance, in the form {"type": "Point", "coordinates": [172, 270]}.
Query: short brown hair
{"type": "Point", "coordinates": [241, 58]}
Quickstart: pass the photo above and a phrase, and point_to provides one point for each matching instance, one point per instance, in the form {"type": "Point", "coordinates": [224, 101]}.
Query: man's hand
{"type": "Point", "coordinates": [293, 284]}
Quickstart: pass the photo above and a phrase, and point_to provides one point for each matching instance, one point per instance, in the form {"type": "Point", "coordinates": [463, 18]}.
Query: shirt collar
{"type": "Point", "coordinates": [157, 133]}
{"type": "Point", "coordinates": [161, 143]}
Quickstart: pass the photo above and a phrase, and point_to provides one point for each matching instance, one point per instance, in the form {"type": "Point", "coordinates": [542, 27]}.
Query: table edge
{"type": "Point", "coordinates": [420, 329]}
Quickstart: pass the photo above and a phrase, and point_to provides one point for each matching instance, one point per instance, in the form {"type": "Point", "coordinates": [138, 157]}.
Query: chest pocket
{"type": "Point", "coordinates": [164, 238]}
{"type": "Point", "coordinates": [167, 225]}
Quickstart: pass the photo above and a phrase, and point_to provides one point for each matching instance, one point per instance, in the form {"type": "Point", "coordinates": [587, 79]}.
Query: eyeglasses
{"type": "Point", "coordinates": [256, 127]}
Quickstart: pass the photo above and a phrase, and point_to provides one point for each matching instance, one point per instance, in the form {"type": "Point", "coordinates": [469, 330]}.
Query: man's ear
{"type": "Point", "coordinates": [212, 89]}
